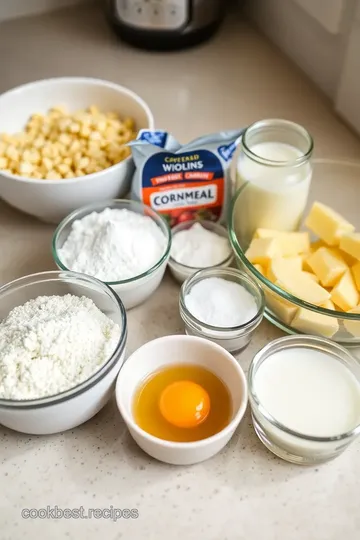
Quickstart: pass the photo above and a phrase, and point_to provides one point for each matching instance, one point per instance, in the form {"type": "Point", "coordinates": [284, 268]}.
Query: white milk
{"type": "Point", "coordinates": [276, 195]}
{"type": "Point", "coordinates": [309, 392]}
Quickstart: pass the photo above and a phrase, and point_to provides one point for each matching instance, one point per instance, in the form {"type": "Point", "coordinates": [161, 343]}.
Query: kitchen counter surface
{"type": "Point", "coordinates": [244, 492]}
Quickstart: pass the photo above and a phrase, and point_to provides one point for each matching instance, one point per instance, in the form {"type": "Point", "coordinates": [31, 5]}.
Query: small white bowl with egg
{"type": "Point", "coordinates": [197, 245]}
{"type": "Point", "coordinates": [168, 351]}
{"type": "Point", "coordinates": [52, 199]}
{"type": "Point", "coordinates": [135, 288]}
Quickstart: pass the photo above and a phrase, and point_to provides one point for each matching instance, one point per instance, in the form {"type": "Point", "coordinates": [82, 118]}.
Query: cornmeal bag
{"type": "Point", "coordinates": [184, 182]}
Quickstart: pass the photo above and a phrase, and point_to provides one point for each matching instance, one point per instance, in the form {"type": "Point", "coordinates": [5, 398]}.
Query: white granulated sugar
{"type": "Point", "coordinates": [51, 344]}
{"type": "Point", "coordinates": [222, 303]}
{"type": "Point", "coordinates": [198, 247]}
{"type": "Point", "coordinates": [113, 245]}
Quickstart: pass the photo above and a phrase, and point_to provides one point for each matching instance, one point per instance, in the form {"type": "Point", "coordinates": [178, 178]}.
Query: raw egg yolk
{"type": "Point", "coordinates": [184, 404]}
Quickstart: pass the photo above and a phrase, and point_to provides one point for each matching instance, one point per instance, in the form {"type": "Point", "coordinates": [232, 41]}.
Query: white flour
{"type": "Point", "coordinates": [51, 344]}
{"type": "Point", "coordinates": [198, 247]}
{"type": "Point", "coordinates": [113, 245]}
{"type": "Point", "coordinates": [222, 303]}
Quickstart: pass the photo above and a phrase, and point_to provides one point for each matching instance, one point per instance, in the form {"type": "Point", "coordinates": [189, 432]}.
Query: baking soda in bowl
{"type": "Point", "coordinates": [184, 182]}
{"type": "Point", "coordinates": [221, 303]}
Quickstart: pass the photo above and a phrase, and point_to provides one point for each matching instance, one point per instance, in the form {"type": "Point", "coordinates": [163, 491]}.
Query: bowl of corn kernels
{"type": "Point", "coordinates": [64, 144]}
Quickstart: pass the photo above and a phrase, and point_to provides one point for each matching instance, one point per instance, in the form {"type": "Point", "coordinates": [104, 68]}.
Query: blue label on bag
{"type": "Point", "coordinates": [157, 138]}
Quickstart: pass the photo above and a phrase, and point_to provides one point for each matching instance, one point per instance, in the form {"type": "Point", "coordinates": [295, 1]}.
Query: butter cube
{"type": "Point", "coordinates": [356, 274]}
{"type": "Point", "coordinates": [311, 322]}
{"type": "Point", "coordinates": [267, 233]}
{"type": "Point", "coordinates": [312, 276]}
{"type": "Point", "coordinates": [283, 309]}
{"type": "Point", "coordinates": [305, 258]}
{"type": "Point", "coordinates": [260, 269]}
{"type": "Point", "coordinates": [262, 250]}
{"type": "Point", "coordinates": [327, 266]}
{"type": "Point", "coordinates": [314, 246]}
{"type": "Point", "coordinates": [345, 257]}
{"type": "Point", "coordinates": [290, 243]}
{"type": "Point", "coordinates": [353, 327]}
{"type": "Point", "coordinates": [300, 285]}
{"type": "Point", "coordinates": [344, 294]}
{"type": "Point", "coordinates": [293, 243]}
{"type": "Point", "coordinates": [328, 305]}
{"type": "Point", "coordinates": [280, 265]}
{"type": "Point", "coordinates": [350, 243]}
{"type": "Point", "coordinates": [327, 224]}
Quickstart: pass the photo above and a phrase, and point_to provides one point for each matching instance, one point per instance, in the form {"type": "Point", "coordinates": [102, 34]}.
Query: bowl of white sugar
{"type": "Point", "coordinates": [62, 344]}
{"type": "Point", "coordinates": [197, 245]}
{"type": "Point", "coordinates": [123, 243]}
{"type": "Point", "coordinates": [223, 305]}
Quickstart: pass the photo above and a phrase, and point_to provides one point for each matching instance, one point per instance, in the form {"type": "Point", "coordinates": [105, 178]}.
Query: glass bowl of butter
{"type": "Point", "coordinates": [310, 273]}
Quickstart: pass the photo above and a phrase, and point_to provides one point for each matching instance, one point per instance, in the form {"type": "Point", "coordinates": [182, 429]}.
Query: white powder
{"type": "Point", "coordinates": [222, 303]}
{"type": "Point", "coordinates": [51, 344]}
{"type": "Point", "coordinates": [198, 247]}
{"type": "Point", "coordinates": [113, 245]}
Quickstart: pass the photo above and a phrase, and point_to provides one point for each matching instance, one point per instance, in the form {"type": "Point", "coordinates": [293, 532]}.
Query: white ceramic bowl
{"type": "Point", "coordinates": [181, 271]}
{"type": "Point", "coordinates": [133, 291]}
{"type": "Point", "coordinates": [52, 200]}
{"type": "Point", "coordinates": [69, 409]}
{"type": "Point", "coordinates": [181, 349]}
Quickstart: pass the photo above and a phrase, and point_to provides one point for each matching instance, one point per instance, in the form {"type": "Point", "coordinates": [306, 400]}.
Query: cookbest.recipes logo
{"type": "Point", "coordinates": [55, 512]}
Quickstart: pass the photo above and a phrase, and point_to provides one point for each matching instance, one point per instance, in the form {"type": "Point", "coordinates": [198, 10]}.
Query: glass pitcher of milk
{"type": "Point", "coordinates": [274, 167]}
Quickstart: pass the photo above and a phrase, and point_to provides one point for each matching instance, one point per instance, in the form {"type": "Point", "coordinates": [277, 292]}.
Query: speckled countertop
{"type": "Point", "coordinates": [244, 492]}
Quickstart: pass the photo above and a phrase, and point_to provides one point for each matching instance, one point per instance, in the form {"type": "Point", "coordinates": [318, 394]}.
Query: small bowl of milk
{"type": "Point", "coordinates": [305, 398]}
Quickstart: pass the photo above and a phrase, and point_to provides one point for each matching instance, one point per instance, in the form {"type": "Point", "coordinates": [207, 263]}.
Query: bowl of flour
{"type": "Point", "coordinates": [62, 344]}
{"type": "Point", "coordinates": [123, 243]}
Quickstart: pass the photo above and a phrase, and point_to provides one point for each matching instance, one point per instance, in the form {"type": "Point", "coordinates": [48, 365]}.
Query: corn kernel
{"type": "Point", "coordinates": [3, 163]}
{"type": "Point", "coordinates": [53, 175]}
{"type": "Point", "coordinates": [25, 168]}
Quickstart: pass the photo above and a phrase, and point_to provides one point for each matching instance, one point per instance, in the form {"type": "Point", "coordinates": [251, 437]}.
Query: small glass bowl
{"type": "Point", "coordinates": [72, 407]}
{"type": "Point", "coordinates": [181, 271]}
{"type": "Point", "coordinates": [233, 339]}
{"type": "Point", "coordinates": [283, 442]}
{"type": "Point", "coordinates": [135, 290]}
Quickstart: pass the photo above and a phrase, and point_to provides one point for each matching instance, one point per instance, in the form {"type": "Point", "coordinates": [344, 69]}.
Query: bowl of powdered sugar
{"type": "Point", "coordinates": [197, 245]}
{"type": "Point", "coordinates": [123, 243]}
{"type": "Point", "coordinates": [62, 344]}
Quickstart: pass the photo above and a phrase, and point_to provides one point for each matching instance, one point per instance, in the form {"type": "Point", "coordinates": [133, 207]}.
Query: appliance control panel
{"type": "Point", "coordinates": [153, 14]}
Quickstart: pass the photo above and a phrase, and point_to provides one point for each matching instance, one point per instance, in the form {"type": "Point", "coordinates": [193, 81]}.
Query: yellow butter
{"type": "Point", "coordinates": [283, 309]}
{"type": "Point", "coordinates": [262, 250]}
{"type": "Point", "coordinates": [328, 305]}
{"type": "Point", "coordinates": [300, 285]}
{"type": "Point", "coordinates": [280, 266]}
{"type": "Point", "coordinates": [350, 243]}
{"type": "Point", "coordinates": [316, 245]}
{"type": "Point", "coordinates": [311, 322]}
{"type": "Point", "coordinates": [353, 327]}
{"type": "Point", "coordinates": [356, 274]}
{"type": "Point", "coordinates": [260, 269]}
{"type": "Point", "coordinates": [311, 276]}
{"type": "Point", "coordinates": [327, 266]}
{"type": "Point", "coordinates": [345, 257]}
{"type": "Point", "coordinates": [267, 233]}
{"type": "Point", "coordinates": [293, 243]}
{"type": "Point", "coordinates": [327, 224]}
{"type": "Point", "coordinates": [345, 294]}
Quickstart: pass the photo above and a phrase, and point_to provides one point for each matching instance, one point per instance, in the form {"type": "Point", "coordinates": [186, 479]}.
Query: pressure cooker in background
{"type": "Point", "coordinates": [165, 24]}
